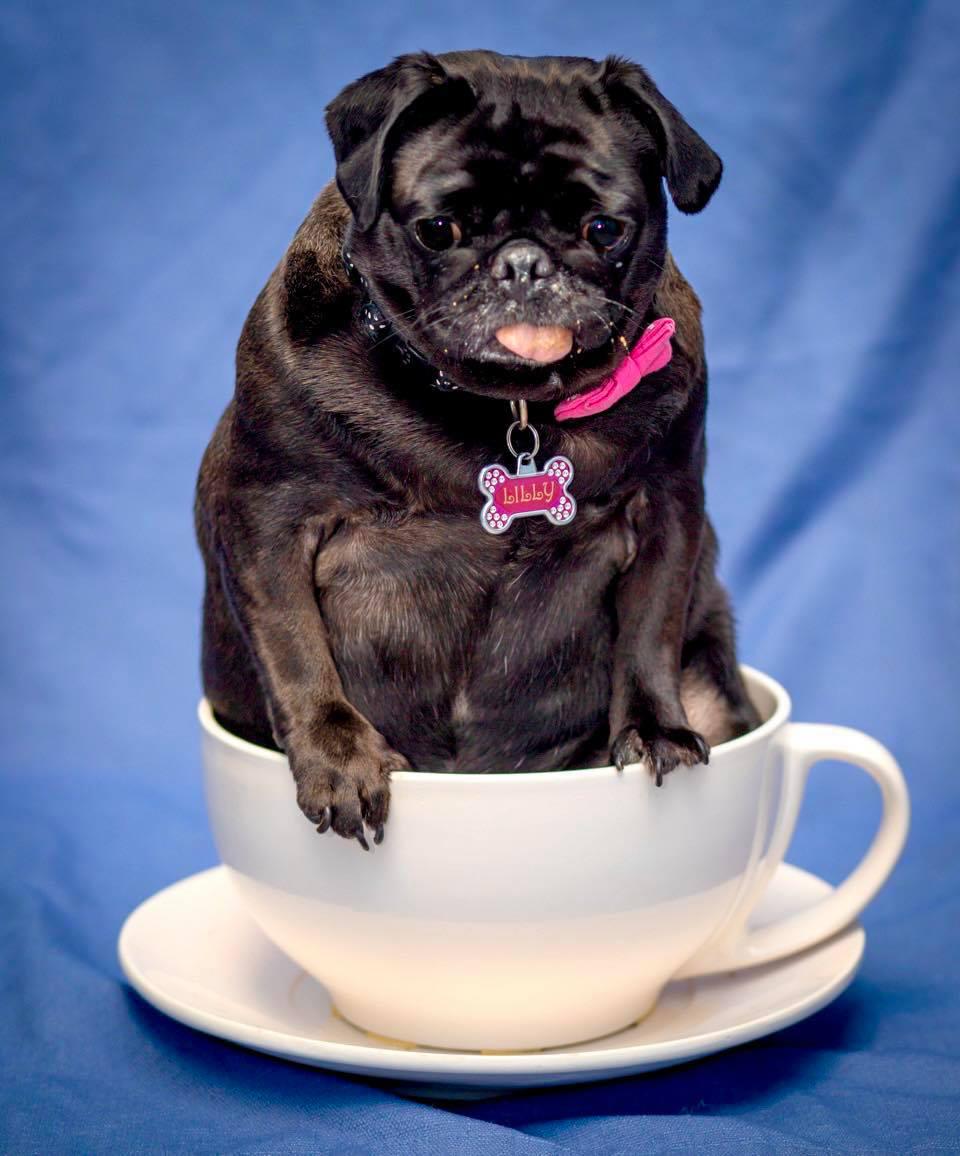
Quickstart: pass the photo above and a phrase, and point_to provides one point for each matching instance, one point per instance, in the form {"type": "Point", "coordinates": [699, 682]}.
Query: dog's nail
{"type": "Point", "coordinates": [378, 837]}
{"type": "Point", "coordinates": [659, 777]}
{"type": "Point", "coordinates": [362, 840]}
{"type": "Point", "coordinates": [325, 820]}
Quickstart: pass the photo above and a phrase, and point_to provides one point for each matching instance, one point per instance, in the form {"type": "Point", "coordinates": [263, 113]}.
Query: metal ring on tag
{"type": "Point", "coordinates": [521, 416]}
{"type": "Point", "coordinates": [536, 440]}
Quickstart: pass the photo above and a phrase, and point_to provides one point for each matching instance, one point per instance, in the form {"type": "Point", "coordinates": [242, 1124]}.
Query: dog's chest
{"type": "Point", "coordinates": [459, 645]}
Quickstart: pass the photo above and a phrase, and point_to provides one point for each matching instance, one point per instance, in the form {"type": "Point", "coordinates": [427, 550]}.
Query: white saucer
{"type": "Point", "coordinates": [192, 952]}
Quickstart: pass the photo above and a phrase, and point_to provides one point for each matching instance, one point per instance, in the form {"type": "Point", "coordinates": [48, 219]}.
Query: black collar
{"type": "Point", "coordinates": [377, 326]}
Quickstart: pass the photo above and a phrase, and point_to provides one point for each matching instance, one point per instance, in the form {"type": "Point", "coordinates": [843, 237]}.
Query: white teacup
{"type": "Point", "coordinates": [515, 911]}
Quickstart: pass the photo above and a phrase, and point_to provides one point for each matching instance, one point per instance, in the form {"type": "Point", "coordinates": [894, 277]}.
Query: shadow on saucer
{"type": "Point", "coordinates": [749, 1075]}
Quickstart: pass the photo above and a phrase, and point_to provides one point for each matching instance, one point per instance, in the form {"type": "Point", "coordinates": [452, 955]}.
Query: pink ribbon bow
{"type": "Point", "coordinates": [651, 352]}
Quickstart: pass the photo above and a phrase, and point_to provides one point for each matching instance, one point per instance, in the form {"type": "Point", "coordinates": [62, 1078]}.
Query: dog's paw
{"type": "Point", "coordinates": [341, 795]}
{"type": "Point", "coordinates": [662, 752]}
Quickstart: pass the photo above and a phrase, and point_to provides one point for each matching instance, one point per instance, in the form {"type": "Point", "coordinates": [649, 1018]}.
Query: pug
{"type": "Point", "coordinates": [481, 304]}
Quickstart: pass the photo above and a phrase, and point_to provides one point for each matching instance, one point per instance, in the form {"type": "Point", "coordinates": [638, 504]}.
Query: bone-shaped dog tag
{"type": "Point", "coordinates": [527, 492]}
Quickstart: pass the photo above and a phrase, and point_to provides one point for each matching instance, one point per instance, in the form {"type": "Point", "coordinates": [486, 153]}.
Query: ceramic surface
{"type": "Point", "coordinates": [538, 910]}
{"type": "Point", "coordinates": [193, 952]}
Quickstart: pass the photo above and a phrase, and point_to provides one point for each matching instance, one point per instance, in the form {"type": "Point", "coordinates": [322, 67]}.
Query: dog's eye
{"type": "Point", "coordinates": [438, 233]}
{"type": "Point", "coordinates": [604, 233]}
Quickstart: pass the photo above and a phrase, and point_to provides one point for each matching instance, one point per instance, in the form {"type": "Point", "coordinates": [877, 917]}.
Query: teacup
{"type": "Point", "coordinates": [522, 911]}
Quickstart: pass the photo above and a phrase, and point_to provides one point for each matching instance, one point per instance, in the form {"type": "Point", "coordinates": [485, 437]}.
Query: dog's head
{"type": "Point", "coordinates": [509, 212]}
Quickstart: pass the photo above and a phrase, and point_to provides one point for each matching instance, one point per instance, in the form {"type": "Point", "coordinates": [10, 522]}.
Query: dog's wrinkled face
{"type": "Point", "coordinates": [509, 212]}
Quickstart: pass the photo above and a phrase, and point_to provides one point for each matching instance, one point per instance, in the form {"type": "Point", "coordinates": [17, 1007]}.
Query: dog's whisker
{"type": "Point", "coordinates": [603, 320]}
{"type": "Point", "coordinates": [620, 305]}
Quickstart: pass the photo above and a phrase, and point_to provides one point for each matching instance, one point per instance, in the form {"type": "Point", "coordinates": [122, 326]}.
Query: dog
{"type": "Point", "coordinates": [496, 233]}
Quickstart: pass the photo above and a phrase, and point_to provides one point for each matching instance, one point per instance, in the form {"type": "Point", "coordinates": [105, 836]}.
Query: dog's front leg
{"type": "Point", "coordinates": [647, 719]}
{"type": "Point", "coordinates": [340, 762]}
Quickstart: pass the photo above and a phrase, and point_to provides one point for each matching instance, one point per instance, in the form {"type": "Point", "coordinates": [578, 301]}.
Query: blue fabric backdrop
{"type": "Point", "coordinates": [158, 158]}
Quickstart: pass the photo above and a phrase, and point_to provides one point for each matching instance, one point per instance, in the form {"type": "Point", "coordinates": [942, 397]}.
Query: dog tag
{"type": "Point", "coordinates": [527, 492]}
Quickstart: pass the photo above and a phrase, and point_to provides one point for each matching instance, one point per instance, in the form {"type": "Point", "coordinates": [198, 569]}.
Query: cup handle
{"type": "Point", "coordinates": [802, 745]}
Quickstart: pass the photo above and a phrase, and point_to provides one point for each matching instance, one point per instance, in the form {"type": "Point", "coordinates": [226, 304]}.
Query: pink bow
{"type": "Point", "coordinates": [651, 352]}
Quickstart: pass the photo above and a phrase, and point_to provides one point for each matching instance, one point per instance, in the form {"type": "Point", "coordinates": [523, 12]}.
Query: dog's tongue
{"type": "Point", "coordinates": [536, 342]}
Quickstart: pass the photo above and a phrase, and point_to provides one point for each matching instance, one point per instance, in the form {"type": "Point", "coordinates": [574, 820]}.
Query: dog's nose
{"type": "Point", "coordinates": [521, 262]}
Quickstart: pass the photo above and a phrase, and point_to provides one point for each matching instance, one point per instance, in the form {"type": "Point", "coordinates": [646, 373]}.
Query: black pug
{"type": "Point", "coordinates": [496, 231]}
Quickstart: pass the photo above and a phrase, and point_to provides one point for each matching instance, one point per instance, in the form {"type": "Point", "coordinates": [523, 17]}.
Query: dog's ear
{"type": "Point", "coordinates": [370, 117]}
{"type": "Point", "coordinates": [691, 168]}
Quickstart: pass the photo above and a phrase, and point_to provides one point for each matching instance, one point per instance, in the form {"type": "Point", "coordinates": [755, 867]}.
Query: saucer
{"type": "Point", "coordinates": [193, 952]}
